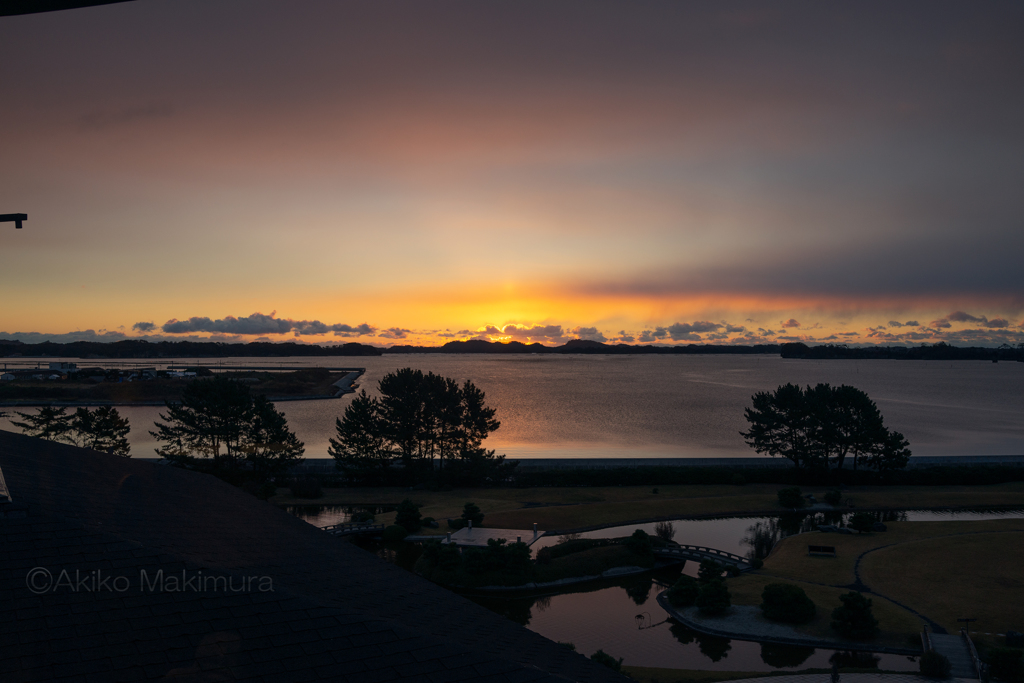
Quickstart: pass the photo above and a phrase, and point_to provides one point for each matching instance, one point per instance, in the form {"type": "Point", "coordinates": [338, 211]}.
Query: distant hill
{"type": "Point", "coordinates": [576, 346]}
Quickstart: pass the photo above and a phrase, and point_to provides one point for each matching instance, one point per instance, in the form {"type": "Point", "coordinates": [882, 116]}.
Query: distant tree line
{"type": "Point", "coordinates": [141, 348]}
{"type": "Point", "coordinates": [937, 351]}
{"type": "Point", "coordinates": [428, 424]}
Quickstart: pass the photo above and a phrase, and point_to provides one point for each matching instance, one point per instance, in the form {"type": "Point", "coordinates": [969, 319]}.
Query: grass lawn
{"type": "Point", "coordinates": [981, 575]}
{"type": "Point", "coordinates": [573, 508]}
{"type": "Point", "coordinates": [943, 570]}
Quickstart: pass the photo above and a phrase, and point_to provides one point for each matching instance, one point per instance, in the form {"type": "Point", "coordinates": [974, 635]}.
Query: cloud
{"type": "Point", "coordinates": [394, 333]}
{"type": "Point", "coordinates": [961, 317]}
{"type": "Point", "coordinates": [144, 327]}
{"type": "Point", "coordinates": [349, 331]}
{"type": "Point", "coordinates": [997, 322]}
{"type": "Point", "coordinates": [589, 333]}
{"type": "Point", "coordinates": [624, 337]}
{"type": "Point", "coordinates": [789, 323]}
{"type": "Point", "coordinates": [261, 324]}
{"type": "Point", "coordinates": [940, 324]}
{"type": "Point", "coordinates": [691, 331]}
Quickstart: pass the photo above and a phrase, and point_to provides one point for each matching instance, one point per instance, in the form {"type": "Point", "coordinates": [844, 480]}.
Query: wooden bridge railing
{"type": "Point", "coordinates": [352, 528]}
{"type": "Point", "coordinates": [702, 550]}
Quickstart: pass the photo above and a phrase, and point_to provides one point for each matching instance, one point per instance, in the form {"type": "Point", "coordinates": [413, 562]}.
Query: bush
{"type": "Point", "coordinates": [639, 543]}
{"type": "Point", "coordinates": [1005, 664]}
{"type": "Point", "coordinates": [395, 533]}
{"type": "Point", "coordinates": [738, 480]}
{"type": "Point", "coordinates": [862, 522]}
{"type": "Point", "coordinates": [834, 497]}
{"type": "Point", "coordinates": [683, 592]}
{"type": "Point", "coordinates": [757, 563]}
{"type": "Point", "coordinates": [713, 598]}
{"type": "Point", "coordinates": [665, 530]}
{"type": "Point", "coordinates": [408, 516]}
{"type": "Point", "coordinates": [709, 570]}
{"type": "Point", "coordinates": [607, 660]}
{"type": "Point", "coordinates": [570, 547]}
{"type": "Point", "coordinates": [443, 555]}
{"type": "Point", "coordinates": [307, 487]}
{"type": "Point", "coordinates": [786, 602]}
{"type": "Point", "coordinates": [853, 619]}
{"type": "Point", "coordinates": [934, 665]}
{"type": "Point", "coordinates": [791, 497]}
{"type": "Point", "coordinates": [361, 517]}
{"type": "Point", "coordinates": [472, 513]}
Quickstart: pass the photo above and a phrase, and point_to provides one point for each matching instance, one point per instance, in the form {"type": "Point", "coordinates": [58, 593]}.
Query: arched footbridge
{"type": "Point", "coordinates": [702, 552]}
{"type": "Point", "coordinates": [353, 528]}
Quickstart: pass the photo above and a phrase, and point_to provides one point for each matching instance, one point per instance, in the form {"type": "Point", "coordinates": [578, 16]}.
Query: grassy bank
{"type": "Point", "coordinates": [591, 562]}
{"type": "Point", "coordinates": [941, 570]}
{"type": "Point", "coordinates": [561, 509]}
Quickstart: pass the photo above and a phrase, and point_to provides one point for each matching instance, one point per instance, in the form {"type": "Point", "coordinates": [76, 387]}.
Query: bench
{"type": "Point", "coordinates": [821, 550]}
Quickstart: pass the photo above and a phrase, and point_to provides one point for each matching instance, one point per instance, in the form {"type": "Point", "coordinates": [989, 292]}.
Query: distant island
{"type": "Point", "coordinates": [141, 348]}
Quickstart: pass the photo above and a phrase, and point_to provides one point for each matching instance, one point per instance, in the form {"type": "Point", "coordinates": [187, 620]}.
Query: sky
{"type": "Point", "coordinates": [410, 172]}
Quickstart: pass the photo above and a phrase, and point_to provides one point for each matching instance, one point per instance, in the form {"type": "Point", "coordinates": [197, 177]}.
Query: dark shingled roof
{"type": "Point", "coordinates": [336, 612]}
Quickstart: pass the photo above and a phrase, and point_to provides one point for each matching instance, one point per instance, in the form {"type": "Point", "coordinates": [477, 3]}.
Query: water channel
{"type": "Point", "coordinates": [622, 617]}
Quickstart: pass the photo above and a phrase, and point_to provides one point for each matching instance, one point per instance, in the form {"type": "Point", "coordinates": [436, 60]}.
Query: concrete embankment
{"type": "Point", "coordinates": [745, 622]}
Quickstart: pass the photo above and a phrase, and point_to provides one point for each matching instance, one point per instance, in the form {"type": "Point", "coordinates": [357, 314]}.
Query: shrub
{"type": "Point", "coordinates": [709, 570]}
{"type": "Point", "coordinates": [395, 533]}
{"type": "Point", "coordinates": [569, 547]}
{"type": "Point", "coordinates": [786, 602]}
{"type": "Point", "coordinates": [738, 480]}
{"type": "Point", "coordinates": [1005, 664]}
{"type": "Point", "coordinates": [862, 522]}
{"type": "Point", "coordinates": [683, 592]}
{"type": "Point", "coordinates": [639, 543]}
{"type": "Point", "coordinates": [853, 619]}
{"type": "Point", "coordinates": [934, 665]}
{"type": "Point", "coordinates": [307, 487]}
{"type": "Point", "coordinates": [568, 646]}
{"type": "Point", "coordinates": [471, 513]}
{"type": "Point", "coordinates": [607, 660]}
{"type": "Point", "coordinates": [665, 530]}
{"type": "Point", "coordinates": [791, 497]}
{"type": "Point", "coordinates": [757, 563]}
{"type": "Point", "coordinates": [443, 555]}
{"type": "Point", "coordinates": [713, 598]}
{"type": "Point", "coordinates": [361, 517]}
{"type": "Point", "coordinates": [834, 497]}
{"type": "Point", "coordinates": [408, 516]}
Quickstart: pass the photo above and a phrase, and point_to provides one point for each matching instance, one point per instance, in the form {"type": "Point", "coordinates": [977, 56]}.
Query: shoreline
{"type": "Point", "coordinates": [345, 385]}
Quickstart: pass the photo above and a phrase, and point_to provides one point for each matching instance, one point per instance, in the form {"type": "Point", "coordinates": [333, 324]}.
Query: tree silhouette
{"type": "Point", "coordinates": [219, 427]}
{"type": "Point", "coordinates": [429, 422]}
{"type": "Point", "coordinates": [102, 430]}
{"type": "Point", "coordinates": [819, 427]}
{"type": "Point", "coordinates": [49, 422]}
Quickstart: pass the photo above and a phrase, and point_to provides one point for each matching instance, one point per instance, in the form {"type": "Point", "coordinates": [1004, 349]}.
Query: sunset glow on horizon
{"type": "Point", "coordinates": [416, 173]}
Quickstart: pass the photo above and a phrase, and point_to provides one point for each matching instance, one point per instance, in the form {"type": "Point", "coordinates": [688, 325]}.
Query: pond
{"type": "Point", "coordinates": [622, 617]}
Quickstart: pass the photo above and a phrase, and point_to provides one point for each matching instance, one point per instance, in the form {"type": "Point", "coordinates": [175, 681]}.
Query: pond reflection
{"type": "Point", "coordinates": [622, 617]}
{"type": "Point", "coordinates": [784, 656]}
